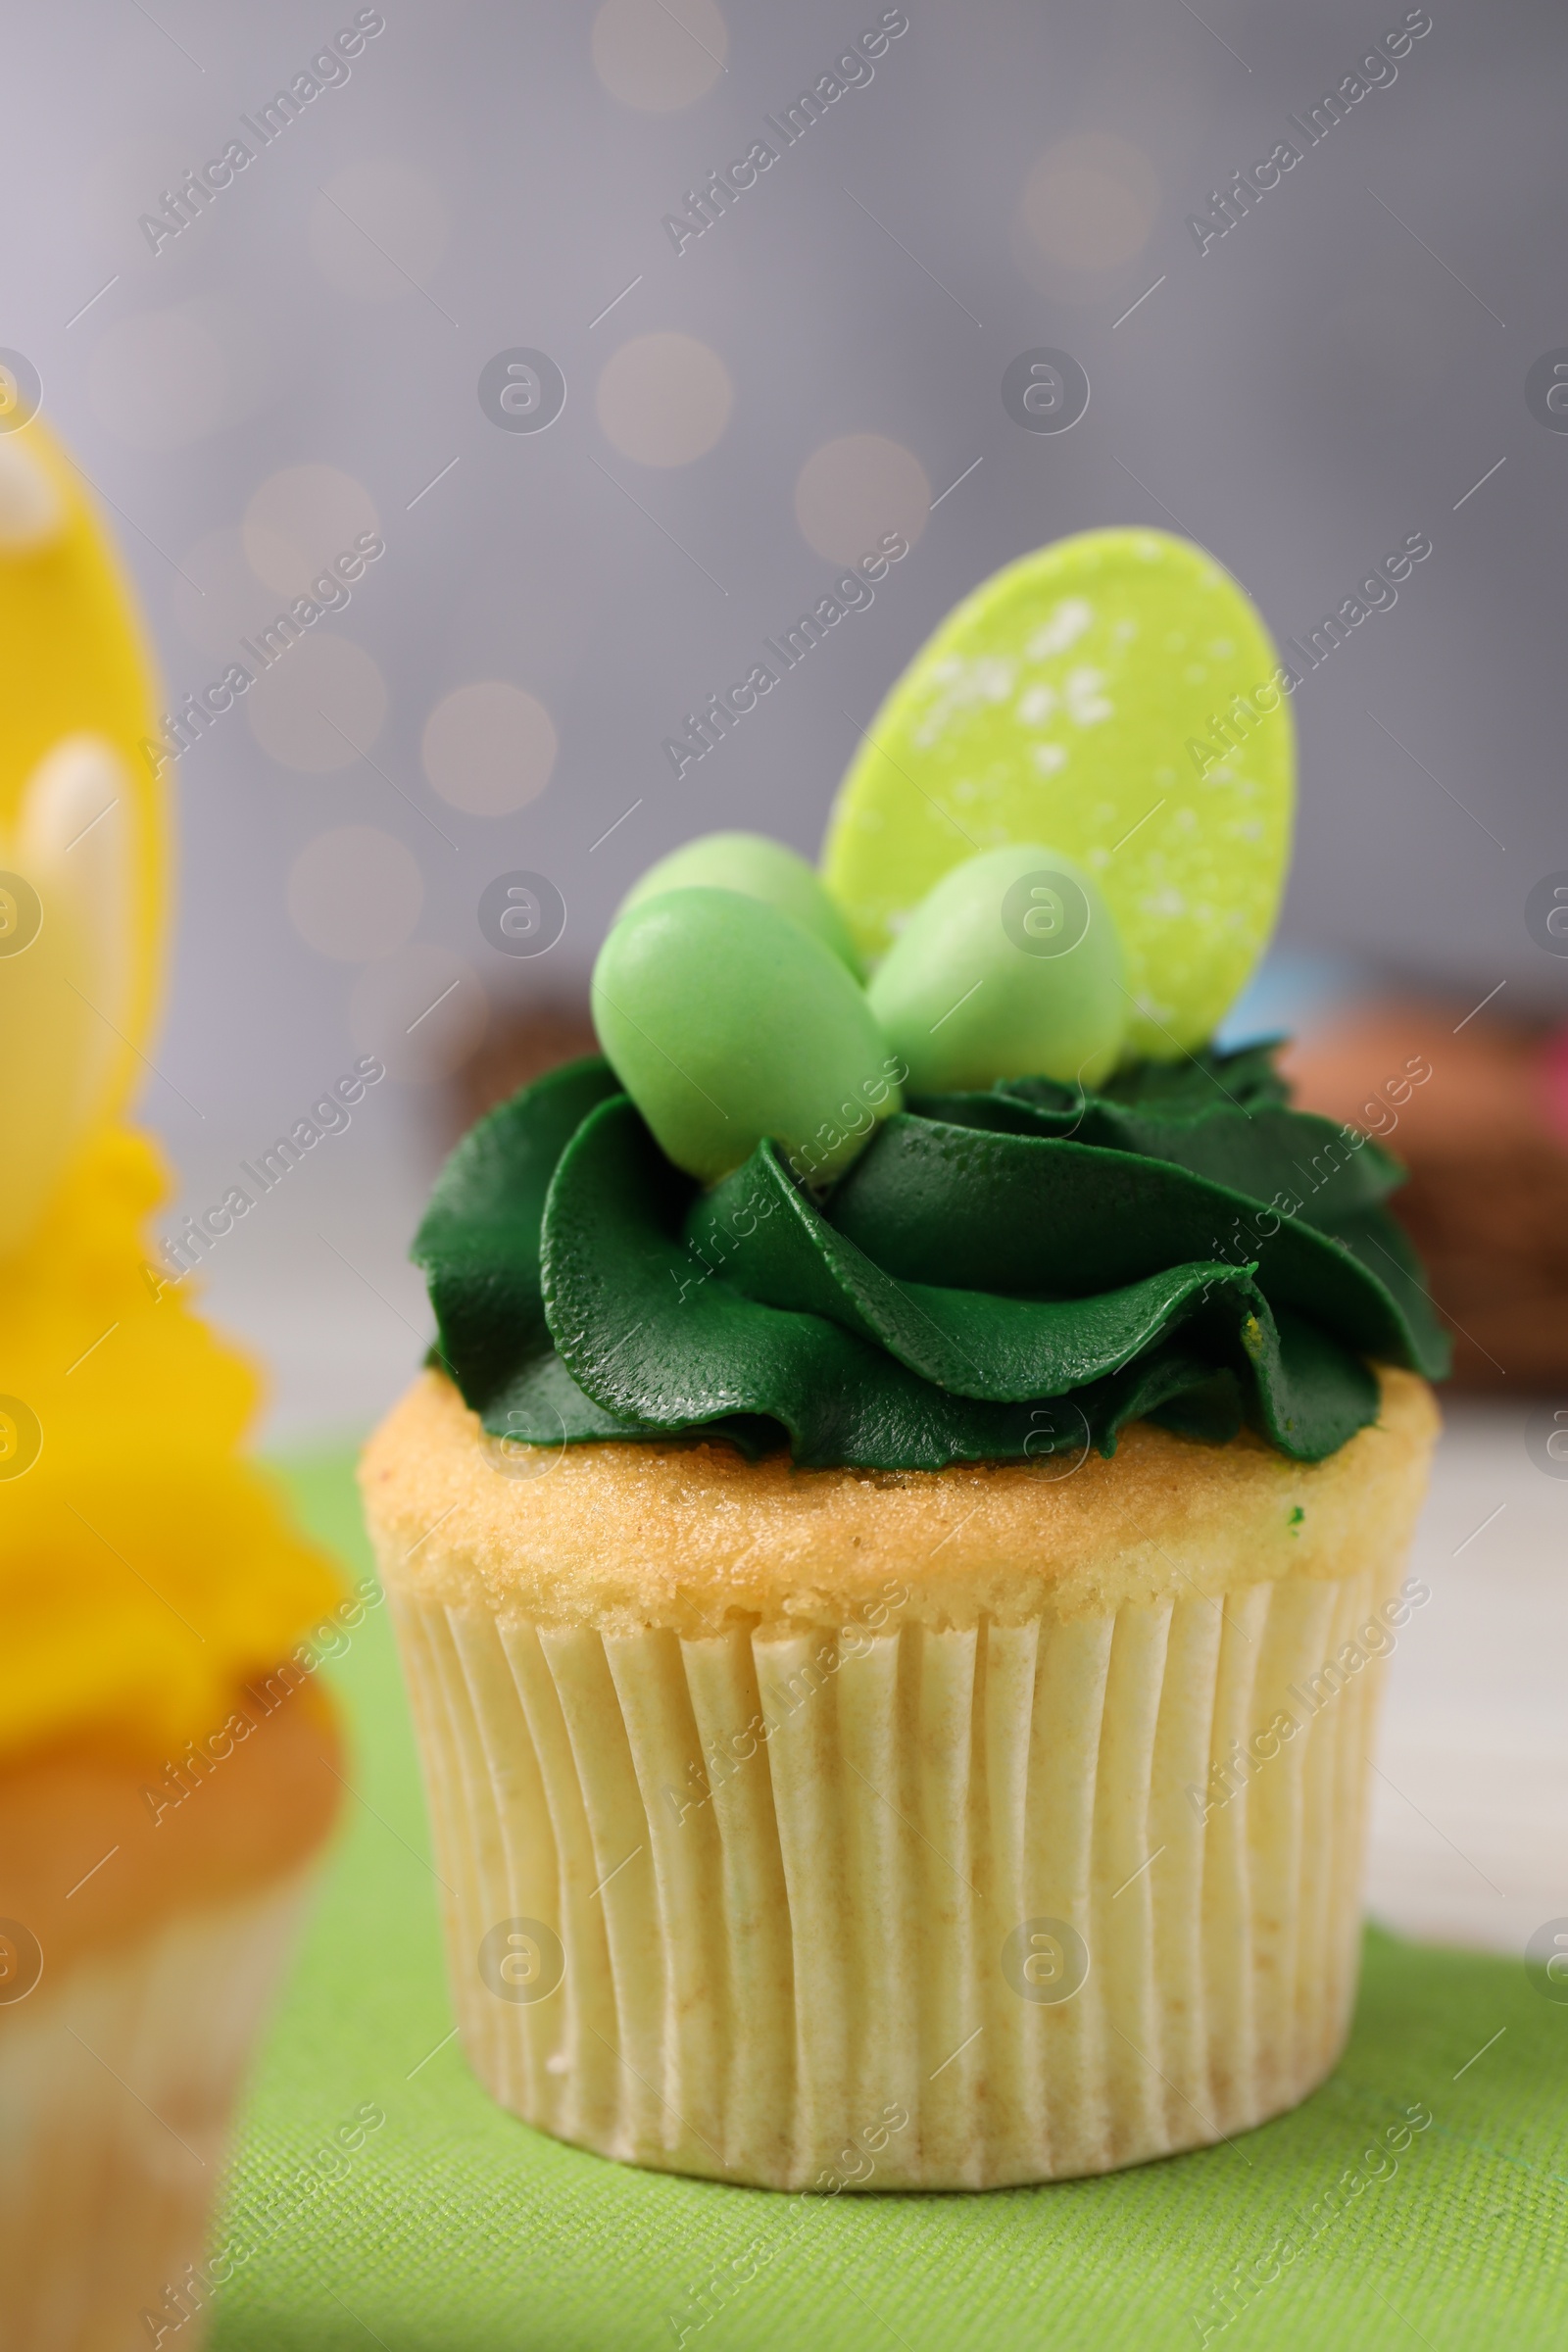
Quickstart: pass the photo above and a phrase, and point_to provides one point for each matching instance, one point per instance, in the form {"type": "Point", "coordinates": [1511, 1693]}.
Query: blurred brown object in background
{"type": "Point", "coordinates": [1485, 1136]}
{"type": "Point", "coordinates": [522, 1041]}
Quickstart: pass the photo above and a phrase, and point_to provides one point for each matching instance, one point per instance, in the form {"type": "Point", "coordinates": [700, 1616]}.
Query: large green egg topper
{"type": "Point", "coordinates": [1118, 696]}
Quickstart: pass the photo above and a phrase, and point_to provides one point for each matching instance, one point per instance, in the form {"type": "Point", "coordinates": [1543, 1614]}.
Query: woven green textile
{"type": "Point", "coordinates": [448, 2227]}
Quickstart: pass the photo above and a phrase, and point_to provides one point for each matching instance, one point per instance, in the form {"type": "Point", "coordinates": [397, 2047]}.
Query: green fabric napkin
{"type": "Point", "coordinates": [448, 2227]}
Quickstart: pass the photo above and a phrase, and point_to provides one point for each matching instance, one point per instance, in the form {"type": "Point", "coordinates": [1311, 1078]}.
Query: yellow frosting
{"type": "Point", "coordinates": [74, 660]}
{"type": "Point", "coordinates": [146, 1568]}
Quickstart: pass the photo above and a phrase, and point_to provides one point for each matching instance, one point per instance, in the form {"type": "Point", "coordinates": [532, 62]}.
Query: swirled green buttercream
{"type": "Point", "coordinates": [1012, 1273]}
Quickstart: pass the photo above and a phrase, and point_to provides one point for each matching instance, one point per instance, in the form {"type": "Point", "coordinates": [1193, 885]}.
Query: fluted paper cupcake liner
{"type": "Point", "coordinates": [925, 1908]}
{"type": "Point", "coordinates": [117, 2083]}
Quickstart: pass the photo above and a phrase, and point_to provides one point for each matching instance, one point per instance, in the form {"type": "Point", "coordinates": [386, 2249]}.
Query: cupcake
{"type": "Point", "coordinates": [897, 1542]}
{"type": "Point", "coordinates": [168, 1771]}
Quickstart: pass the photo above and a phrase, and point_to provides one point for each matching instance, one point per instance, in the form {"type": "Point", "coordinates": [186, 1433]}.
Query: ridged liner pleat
{"type": "Point", "coordinates": [117, 2079]}
{"type": "Point", "coordinates": [783, 1865]}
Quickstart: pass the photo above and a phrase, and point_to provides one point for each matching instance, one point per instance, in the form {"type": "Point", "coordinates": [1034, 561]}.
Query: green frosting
{"type": "Point", "coordinates": [1019, 1273]}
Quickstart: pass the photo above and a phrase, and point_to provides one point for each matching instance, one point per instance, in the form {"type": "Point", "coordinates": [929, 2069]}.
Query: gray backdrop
{"type": "Point", "coordinates": [300, 364]}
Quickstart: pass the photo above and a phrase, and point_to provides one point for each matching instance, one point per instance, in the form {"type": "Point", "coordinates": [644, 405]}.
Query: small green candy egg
{"type": "Point", "coordinates": [1009, 968]}
{"type": "Point", "coordinates": [759, 868]}
{"type": "Point", "coordinates": [726, 1021]}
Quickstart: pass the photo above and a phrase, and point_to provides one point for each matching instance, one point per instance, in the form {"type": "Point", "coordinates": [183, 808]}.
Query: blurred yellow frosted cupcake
{"type": "Point", "coordinates": [167, 1771]}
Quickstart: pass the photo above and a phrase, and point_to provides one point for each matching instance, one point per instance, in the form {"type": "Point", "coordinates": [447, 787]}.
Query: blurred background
{"type": "Point", "coordinates": [716, 399]}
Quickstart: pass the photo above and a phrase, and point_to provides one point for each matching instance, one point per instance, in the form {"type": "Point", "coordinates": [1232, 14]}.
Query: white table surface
{"type": "Point", "coordinates": [1469, 1828]}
